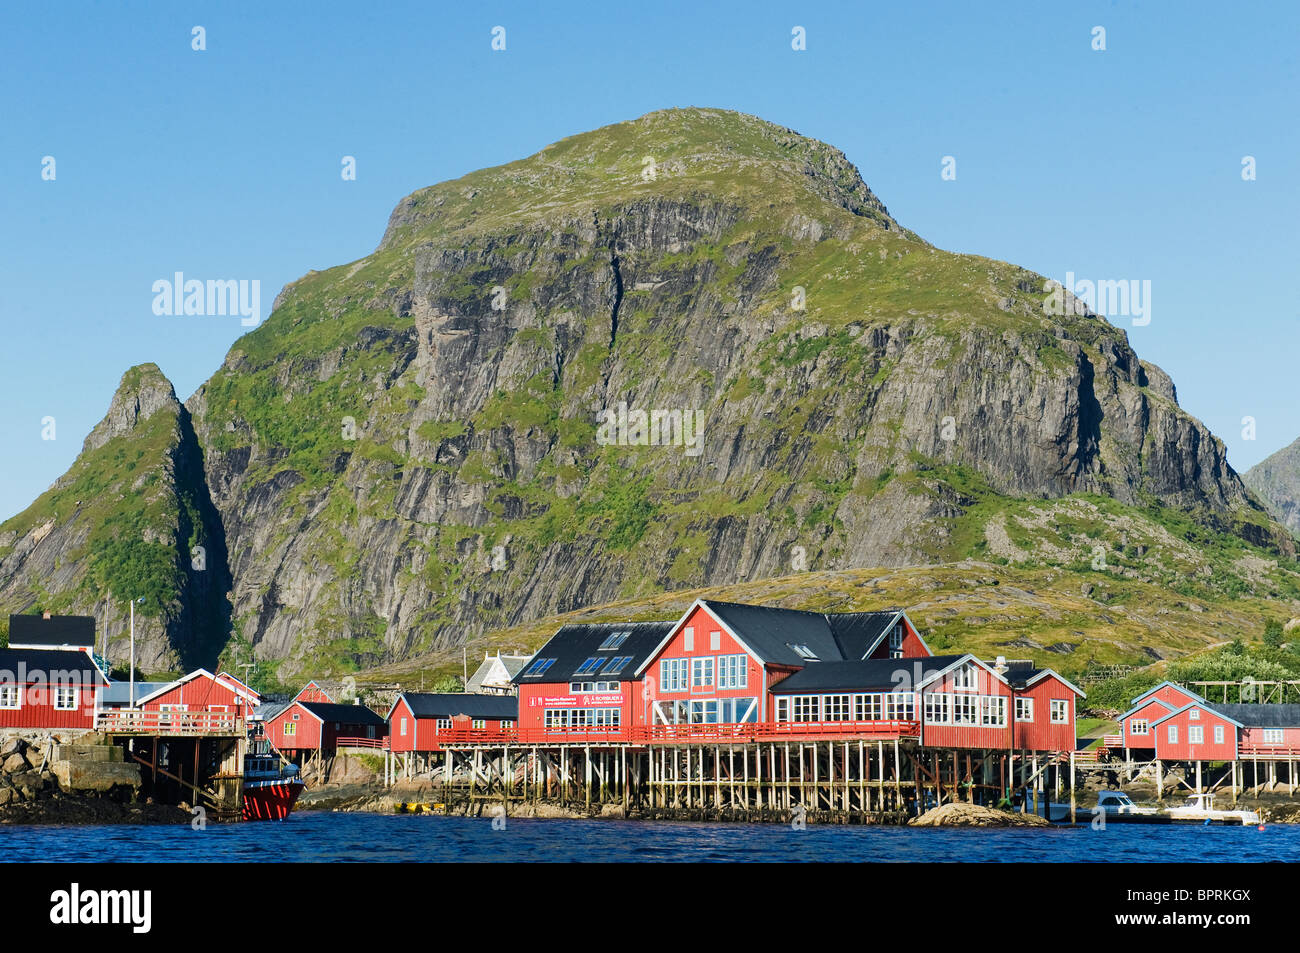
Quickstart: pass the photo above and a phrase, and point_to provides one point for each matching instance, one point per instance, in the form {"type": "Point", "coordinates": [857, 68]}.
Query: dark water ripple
{"type": "Point", "coordinates": [321, 837]}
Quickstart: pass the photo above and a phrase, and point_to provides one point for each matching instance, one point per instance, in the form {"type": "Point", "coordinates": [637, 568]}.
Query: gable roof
{"type": "Point", "coordinates": [52, 665]}
{"type": "Point", "coordinates": [770, 633]}
{"type": "Point", "coordinates": [1021, 677]}
{"type": "Point", "coordinates": [574, 644]}
{"type": "Point", "coordinates": [233, 684]}
{"type": "Point", "coordinates": [451, 704]}
{"type": "Point", "coordinates": [1155, 688]}
{"type": "Point", "coordinates": [511, 664]}
{"type": "Point", "coordinates": [68, 631]}
{"type": "Point", "coordinates": [1260, 715]}
{"type": "Point", "coordinates": [1204, 706]}
{"type": "Point", "coordinates": [344, 714]}
{"type": "Point", "coordinates": [865, 675]}
{"type": "Point", "coordinates": [1143, 704]}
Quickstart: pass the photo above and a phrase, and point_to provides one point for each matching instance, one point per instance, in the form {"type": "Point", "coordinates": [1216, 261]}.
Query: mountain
{"type": "Point", "coordinates": [442, 438]}
{"type": "Point", "coordinates": [1276, 480]}
{"type": "Point", "coordinates": [124, 523]}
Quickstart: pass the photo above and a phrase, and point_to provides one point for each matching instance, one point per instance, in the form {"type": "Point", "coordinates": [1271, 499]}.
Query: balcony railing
{"type": "Point", "coordinates": [881, 730]}
{"type": "Point", "coordinates": [135, 721]}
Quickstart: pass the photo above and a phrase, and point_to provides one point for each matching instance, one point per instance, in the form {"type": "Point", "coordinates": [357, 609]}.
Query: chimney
{"type": "Point", "coordinates": [1000, 665]}
{"type": "Point", "coordinates": [45, 615]}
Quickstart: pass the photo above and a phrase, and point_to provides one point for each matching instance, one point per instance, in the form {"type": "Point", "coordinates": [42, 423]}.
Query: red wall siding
{"type": "Point", "coordinates": [312, 693]}
{"type": "Point", "coordinates": [1182, 750]}
{"type": "Point", "coordinates": [201, 694]}
{"type": "Point", "coordinates": [536, 697]}
{"type": "Point", "coordinates": [702, 622]}
{"type": "Point", "coordinates": [1255, 736]}
{"type": "Point", "coordinates": [1041, 734]}
{"type": "Point", "coordinates": [38, 709]}
{"type": "Point", "coordinates": [307, 733]}
{"type": "Point", "coordinates": [966, 736]}
{"type": "Point", "coordinates": [912, 645]}
{"type": "Point", "coordinates": [1149, 712]}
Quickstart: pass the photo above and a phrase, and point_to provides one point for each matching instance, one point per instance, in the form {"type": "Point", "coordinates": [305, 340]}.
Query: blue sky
{"type": "Point", "coordinates": [225, 163]}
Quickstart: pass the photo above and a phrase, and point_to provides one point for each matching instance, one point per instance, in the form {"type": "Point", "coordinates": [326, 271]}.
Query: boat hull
{"type": "Point", "coordinates": [270, 800]}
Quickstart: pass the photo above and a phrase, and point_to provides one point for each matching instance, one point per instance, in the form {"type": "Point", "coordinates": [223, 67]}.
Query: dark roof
{"type": "Point", "coordinates": [449, 705]}
{"type": "Point", "coordinates": [1260, 716]}
{"type": "Point", "coordinates": [861, 675]}
{"type": "Point", "coordinates": [770, 632]}
{"type": "Point", "coordinates": [119, 693]}
{"type": "Point", "coordinates": [1020, 675]}
{"type": "Point", "coordinates": [574, 644]}
{"type": "Point", "coordinates": [76, 630]}
{"type": "Point", "coordinates": [52, 665]}
{"type": "Point", "coordinates": [344, 714]}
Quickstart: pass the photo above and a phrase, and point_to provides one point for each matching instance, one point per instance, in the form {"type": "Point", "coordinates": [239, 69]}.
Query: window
{"type": "Point", "coordinates": [1138, 726]}
{"type": "Point", "coordinates": [993, 711]}
{"type": "Point", "coordinates": [507, 724]}
{"type": "Point", "coordinates": [1194, 715]}
{"type": "Point", "coordinates": [1195, 735]}
{"type": "Point", "coordinates": [783, 709]}
{"type": "Point", "coordinates": [1173, 734]}
{"type": "Point", "coordinates": [705, 712]}
{"type": "Point", "coordinates": [479, 724]}
{"type": "Point", "coordinates": [965, 679]}
{"type": "Point", "coordinates": [10, 697]}
{"type": "Point", "coordinates": [801, 650]}
{"type": "Point", "coordinates": [442, 724]}
{"type": "Point", "coordinates": [715, 641]}
{"type": "Point", "coordinates": [690, 638]}
{"type": "Point", "coordinates": [1024, 709]}
{"type": "Point", "coordinates": [896, 642]}
{"type": "Point", "coordinates": [1060, 711]}
{"type": "Point", "coordinates": [734, 711]}
{"type": "Point", "coordinates": [65, 699]}
{"type": "Point", "coordinates": [672, 674]}
{"type": "Point", "coordinates": [733, 672]}
{"type": "Point", "coordinates": [402, 725]}
{"type": "Point", "coordinates": [613, 642]}
{"type": "Point", "coordinates": [867, 707]}
{"type": "Point", "coordinates": [835, 708]}
{"type": "Point", "coordinates": [589, 667]}
{"type": "Point", "coordinates": [538, 668]}
{"type": "Point", "coordinates": [806, 707]}
{"type": "Point", "coordinates": [1218, 734]}
{"type": "Point", "coordinates": [290, 729]}
{"type": "Point", "coordinates": [936, 709]}
{"type": "Point", "coordinates": [963, 710]}
{"type": "Point", "coordinates": [900, 706]}
{"type": "Point", "coordinates": [702, 672]}
{"type": "Point", "coordinates": [1272, 736]}
{"type": "Point", "coordinates": [616, 665]}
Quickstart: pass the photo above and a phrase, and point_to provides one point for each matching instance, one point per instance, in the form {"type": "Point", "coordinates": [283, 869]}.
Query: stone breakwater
{"type": "Point", "coordinates": [69, 778]}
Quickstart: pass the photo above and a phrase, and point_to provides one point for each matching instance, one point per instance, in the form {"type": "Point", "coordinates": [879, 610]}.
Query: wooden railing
{"type": "Point", "coordinates": [1260, 749]}
{"type": "Point", "coordinates": [690, 733]}
{"type": "Point", "coordinates": [380, 744]}
{"type": "Point", "coordinates": [132, 721]}
{"type": "Point", "coordinates": [1112, 741]}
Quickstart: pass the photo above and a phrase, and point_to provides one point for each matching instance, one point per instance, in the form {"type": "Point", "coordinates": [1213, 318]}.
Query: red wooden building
{"type": "Point", "coordinates": [49, 688]}
{"type": "Point", "coordinates": [199, 700]}
{"type": "Point", "coordinates": [1149, 707]}
{"type": "Point", "coordinates": [424, 722]}
{"type": "Point", "coordinates": [770, 672]}
{"type": "Point", "coordinates": [324, 727]}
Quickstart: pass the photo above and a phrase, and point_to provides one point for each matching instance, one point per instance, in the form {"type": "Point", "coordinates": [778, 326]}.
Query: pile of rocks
{"type": "Point", "coordinates": [24, 772]}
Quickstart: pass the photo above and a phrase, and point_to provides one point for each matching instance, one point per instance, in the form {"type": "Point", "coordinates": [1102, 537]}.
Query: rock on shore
{"type": "Point", "coordinates": [973, 815]}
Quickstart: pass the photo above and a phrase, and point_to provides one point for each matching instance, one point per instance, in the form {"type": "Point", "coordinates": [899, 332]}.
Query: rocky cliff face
{"type": "Point", "coordinates": [1276, 480]}
{"type": "Point", "coordinates": [443, 437]}
{"type": "Point", "coordinates": [130, 519]}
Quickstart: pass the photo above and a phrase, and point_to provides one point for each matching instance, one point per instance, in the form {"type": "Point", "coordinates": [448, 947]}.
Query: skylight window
{"type": "Point", "coordinates": [616, 665]}
{"type": "Point", "coordinates": [803, 651]}
{"type": "Point", "coordinates": [589, 667]}
{"type": "Point", "coordinates": [613, 642]}
{"type": "Point", "coordinates": [539, 667]}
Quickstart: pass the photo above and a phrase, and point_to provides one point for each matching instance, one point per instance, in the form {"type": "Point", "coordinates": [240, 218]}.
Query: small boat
{"type": "Point", "coordinates": [271, 787]}
{"type": "Point", "coordinates": [1119, 808]}
{"type": "Point", "coordinates": [1199, 809]}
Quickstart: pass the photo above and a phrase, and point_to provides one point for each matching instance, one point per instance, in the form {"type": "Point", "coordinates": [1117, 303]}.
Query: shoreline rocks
{"type": "Point", "coordinates": [958, 814]}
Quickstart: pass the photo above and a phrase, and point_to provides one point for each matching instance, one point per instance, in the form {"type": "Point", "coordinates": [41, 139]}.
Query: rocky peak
{"type": "Point", "coordinates": [143, 391]}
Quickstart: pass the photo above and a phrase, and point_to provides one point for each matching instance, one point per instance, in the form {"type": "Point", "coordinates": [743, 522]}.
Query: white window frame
{"type": "Point", "coordinates": [965, 679]}
{"type": "Point", "coordinates": [17, 695]}
{"type": "Point", "coordinates": [1194, 715]}
{"type": "Point", "coordinates": [688, 638]}
{"type": "Point", "coordinates": [702, 671]}
{"type": "Point", "coordinates": [1172, 734]}
{"type": "Point", "coordinates": [674, 675]}
{"type": "Point", "coordinates": [58, 697]}
{"type": "Point", "coordinates": [1060, 711]}
{"type": "Point", "coordinates": [896, 637]}
{"type": "Point", "coordinates": [1195, 735]}
{"type": "Point", "coordinates": [402, 727]}
{"type": "Point", "coordinates": [1273, 736]}
{"type": "Point", "coordinates": [733, 671]}
{"type": "Point", "coordinates": [1024, 710]}
{"type": "Point", "coordinates": [1218, 734]}
{"type": "Point", "coordinates": [715, 641]}
{"type": "Point", "coordinates": [1139, 726]}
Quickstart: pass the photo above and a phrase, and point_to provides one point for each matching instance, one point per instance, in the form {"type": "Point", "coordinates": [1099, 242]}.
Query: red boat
{"type": "Point", "coordinates": [270, 786]}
